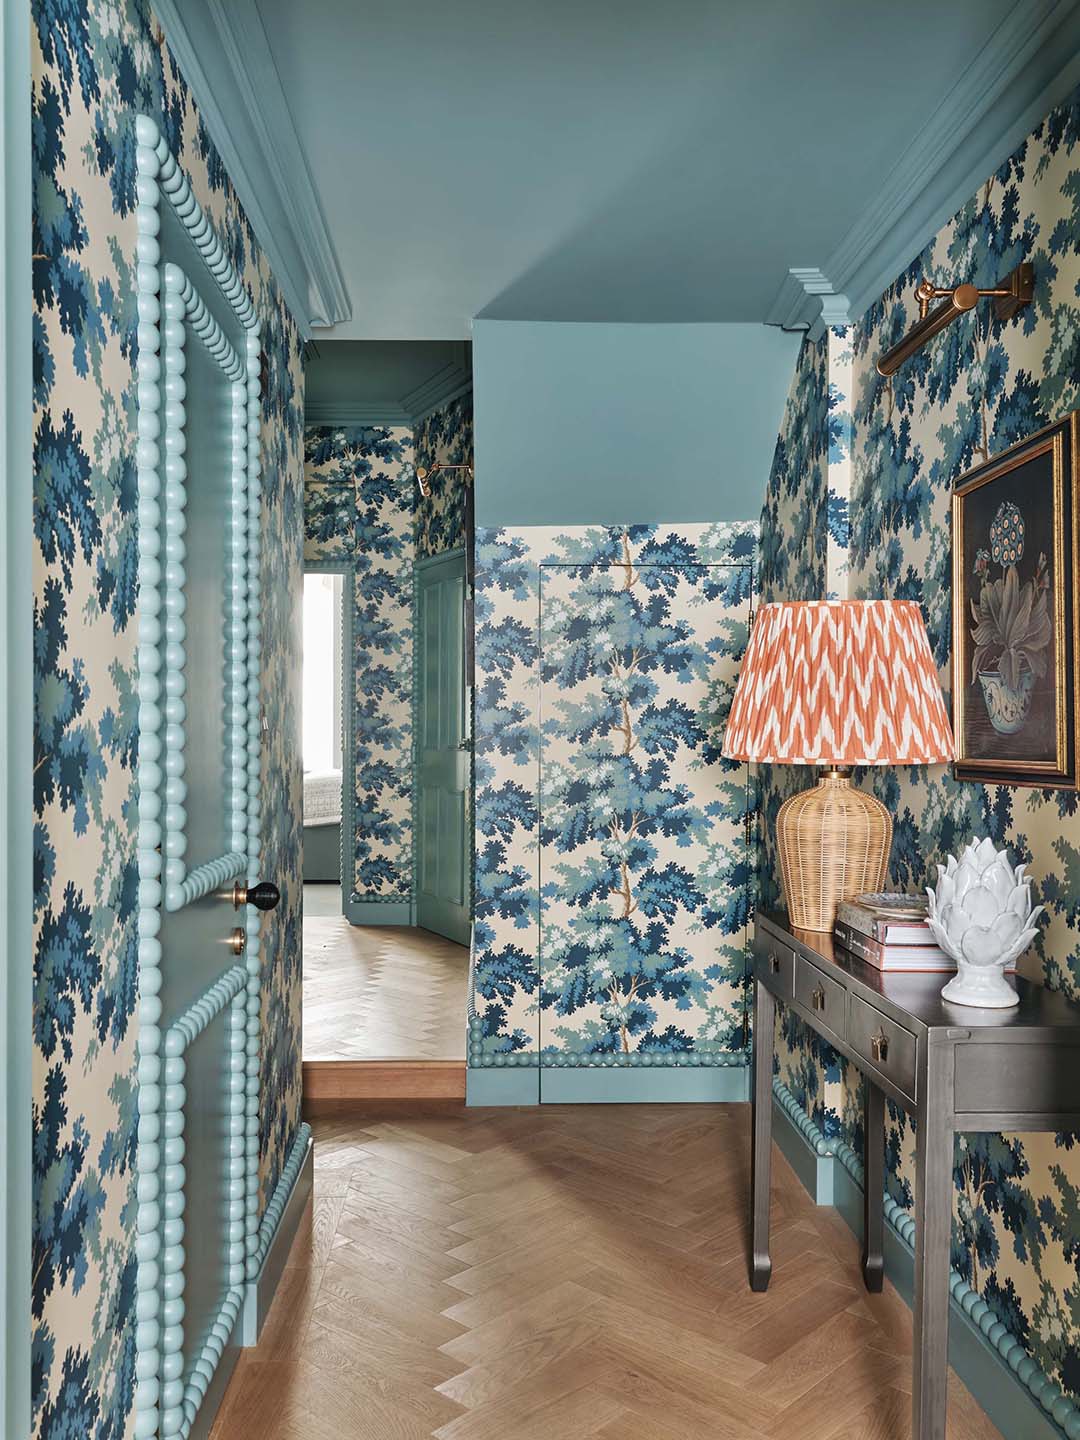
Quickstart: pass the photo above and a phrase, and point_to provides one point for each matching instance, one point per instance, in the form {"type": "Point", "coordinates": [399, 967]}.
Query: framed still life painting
{"type": "Point", "coordinates": [1015, 613]}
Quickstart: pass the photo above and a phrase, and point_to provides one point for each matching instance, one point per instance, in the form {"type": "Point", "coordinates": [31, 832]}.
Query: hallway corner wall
{"type": "Point", "coordinates": [898, 445]}
{"type": "Point", "coordinates": [444, 518]}
{"type": "Point", "coordinates": [94, 66]}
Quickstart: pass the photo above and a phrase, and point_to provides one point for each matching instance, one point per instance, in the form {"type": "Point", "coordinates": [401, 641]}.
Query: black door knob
{"type": "Point", "coordinates": [264, 896]}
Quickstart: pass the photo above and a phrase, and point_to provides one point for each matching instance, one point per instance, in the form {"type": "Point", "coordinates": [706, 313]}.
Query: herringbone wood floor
{"type": "Point", "coordinates": [382, 992]}
{"type": "Point", "coordinates": [564, 1273]}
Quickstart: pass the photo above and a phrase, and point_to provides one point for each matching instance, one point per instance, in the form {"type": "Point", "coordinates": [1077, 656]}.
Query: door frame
{"type": "Point", "coordinates": [347, 570]}
{"type": "Point", "coordinates": [16, 720]}
{"type": "Point", "coordinates": [419, 567]}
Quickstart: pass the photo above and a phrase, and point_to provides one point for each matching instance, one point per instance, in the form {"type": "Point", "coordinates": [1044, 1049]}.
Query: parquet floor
{"type": "Point", "coordinates": [570, 1273]}
{"type": "Point", "coordinates": [382, 992]}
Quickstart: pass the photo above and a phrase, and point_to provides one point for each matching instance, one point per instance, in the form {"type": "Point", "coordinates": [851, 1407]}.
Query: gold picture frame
{"type": "Point", "coordinates": [1015, 613]}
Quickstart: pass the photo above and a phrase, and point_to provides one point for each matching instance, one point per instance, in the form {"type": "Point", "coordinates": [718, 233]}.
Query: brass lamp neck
{"type": "Point", "coordinates": [835, 773]}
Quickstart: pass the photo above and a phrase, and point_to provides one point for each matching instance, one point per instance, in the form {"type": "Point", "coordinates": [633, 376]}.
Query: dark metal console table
{"type": "Point", "coordinates": [950, 1066]}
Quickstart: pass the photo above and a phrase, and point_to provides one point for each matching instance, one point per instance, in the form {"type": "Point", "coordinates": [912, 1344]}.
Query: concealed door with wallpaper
{"type": "Point", "coordinates": [644, 867]}
{"type": "Point", "coordinates": [199, 823]}
{"type": "Point", "coordinates": [443, 745]}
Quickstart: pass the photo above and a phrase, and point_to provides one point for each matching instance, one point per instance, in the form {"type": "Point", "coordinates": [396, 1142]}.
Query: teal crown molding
{"type": "Point", "coordinates": [1000, 1343]}
{"type": "Point", "coordinates": [448, 383]}
{"type": "Point", "coordinates": [355, 413]}
{"type": "Point", "coordinates": [808, 298]}
{"type": "Point", "coordinates": [445, 385]}
{"type": "Point", "coordinates": [1029, 64]}
{"type": "Point", "coordinates": [222, 49]}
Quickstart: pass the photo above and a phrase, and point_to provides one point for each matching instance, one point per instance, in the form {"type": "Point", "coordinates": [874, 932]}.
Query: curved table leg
{"type": "Point", "coordinates": [761, 1146]}
{"type": "Point", "coordinates": [873, 1260]}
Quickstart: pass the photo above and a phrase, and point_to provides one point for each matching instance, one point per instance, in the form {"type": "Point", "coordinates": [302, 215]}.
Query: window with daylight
{"type": "Point", "coordinates": [322, 673]}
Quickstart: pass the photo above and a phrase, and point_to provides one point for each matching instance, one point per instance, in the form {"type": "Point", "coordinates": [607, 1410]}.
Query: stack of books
{"type": "Point", "coordinates": [891, 932]}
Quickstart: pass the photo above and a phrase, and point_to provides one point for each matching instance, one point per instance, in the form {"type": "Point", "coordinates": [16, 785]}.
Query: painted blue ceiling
{"type": "Point", "coordinates": [601, 160]}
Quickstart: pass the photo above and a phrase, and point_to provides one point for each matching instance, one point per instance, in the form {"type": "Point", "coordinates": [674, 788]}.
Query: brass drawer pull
{"type": "Point", "coordinates": [817, 999]}
{"type": "Point", "coordinates": [879, 1048]}
{"type": "Point", "coordinates": [774, 964]}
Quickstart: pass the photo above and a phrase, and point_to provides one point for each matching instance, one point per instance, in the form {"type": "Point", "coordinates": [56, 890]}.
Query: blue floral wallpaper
{"type": "Point", "coordinates": [444, 519]}
{"type": "Point", "coordinates": [904, 442]}
{"type": "Point", "coordinates": [358, 506]}
{"type": "Point", "coordinates": [613, 879]}
{"type": "Point", "coordinates": [94, 65]}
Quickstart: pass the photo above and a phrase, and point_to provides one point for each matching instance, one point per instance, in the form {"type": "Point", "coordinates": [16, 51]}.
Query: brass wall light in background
{"type": "Point", "coordinates": [1010, 297]}
{"type": "Point", "coordinates": [424, 477]}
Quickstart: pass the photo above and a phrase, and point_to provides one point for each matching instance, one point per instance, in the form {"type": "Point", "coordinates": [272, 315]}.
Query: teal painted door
{"type": "Point", "coordinates": [199, 820]}
{"type": "Point", "coordinates": [443, 750]}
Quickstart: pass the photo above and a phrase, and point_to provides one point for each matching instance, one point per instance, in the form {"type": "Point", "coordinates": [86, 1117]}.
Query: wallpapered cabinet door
{"type": "Point", "coordinates": [644, 873]}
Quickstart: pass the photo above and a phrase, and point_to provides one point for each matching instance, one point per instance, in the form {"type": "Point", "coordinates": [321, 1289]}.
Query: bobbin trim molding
{"type": "Point", "coordinates": [169, 309]}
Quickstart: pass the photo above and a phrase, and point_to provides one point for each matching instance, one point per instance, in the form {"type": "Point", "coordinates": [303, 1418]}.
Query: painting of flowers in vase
{"type": "Point", "coordinates": [1014, 614]}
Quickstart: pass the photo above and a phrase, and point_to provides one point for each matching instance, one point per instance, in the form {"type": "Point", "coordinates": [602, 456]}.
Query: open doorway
{"type": "Point", "coordinates": [387, 709]}
{"type": "Point", "coordinates": [324, 722]}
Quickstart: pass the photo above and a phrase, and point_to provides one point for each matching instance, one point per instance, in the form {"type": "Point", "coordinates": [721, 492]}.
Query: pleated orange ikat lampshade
{"type": "Point", "coordinates": [837, 683]}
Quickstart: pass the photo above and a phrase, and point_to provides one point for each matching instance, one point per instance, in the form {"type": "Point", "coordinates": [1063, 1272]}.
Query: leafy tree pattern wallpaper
{"type": "Point", "coordinates": [613, 879]}
{"type": "Point", "coordinates": [972, 391]}
{"type": "Point", "coordinates": [94, 65]}
{"type": "Point", "coordinates": [445, 436]}
{"type": "Point", "coordinates": [359, 487]}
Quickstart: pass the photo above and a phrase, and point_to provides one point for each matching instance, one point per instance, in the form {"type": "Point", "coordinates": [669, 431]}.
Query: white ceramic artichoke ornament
{"type": "Point", "coordinates": [981, 915]}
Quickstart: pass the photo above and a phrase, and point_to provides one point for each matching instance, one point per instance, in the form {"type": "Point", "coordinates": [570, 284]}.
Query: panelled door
{"type": "Point", "coordinates": [443, 750]}
{"type": "Point", "coordinates": [199, 820]}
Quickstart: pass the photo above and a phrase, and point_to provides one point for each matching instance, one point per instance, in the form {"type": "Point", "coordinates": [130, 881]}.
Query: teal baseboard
{"type": "Point", "coordinates": [655, 1085]}
{"type": "Point", "coordinates": [289, 1208]}
{"type": "Point", "coordinates": [604, 1085]}
{"type": "Point", "coordinates": [379, 912]}
{"type": "Point", "coordinates": [815, 1168]}
{"type": "Point", "coordinates": [1006, 1391]}
{"type": "Point", "coordinates": [206, 1415]}
{"type": "Point", "coordinates": [491, 1086]}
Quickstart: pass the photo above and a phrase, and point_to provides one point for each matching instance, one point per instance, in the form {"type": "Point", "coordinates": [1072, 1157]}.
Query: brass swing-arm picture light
{"type": "Point", "coordinates": [1010, 297]}
{"type": "Point", "coordinates": [424, 477]}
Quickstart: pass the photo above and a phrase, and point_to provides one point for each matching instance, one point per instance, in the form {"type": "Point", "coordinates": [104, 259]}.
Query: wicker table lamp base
{"type": "Point", "coordinates": [834, 842]}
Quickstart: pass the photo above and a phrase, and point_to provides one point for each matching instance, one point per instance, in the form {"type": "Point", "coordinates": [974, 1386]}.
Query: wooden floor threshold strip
{"type": "Point", "coordinates": [384, 1080]}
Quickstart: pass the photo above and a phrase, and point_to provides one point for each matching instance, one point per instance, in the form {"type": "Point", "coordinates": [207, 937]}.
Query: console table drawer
{"type": "Point", "coordinates": [825, 999]}
{"type": "Point", "coordinates": [774, 964]}
{"type": "Point", "coordinates": [886, 1046]}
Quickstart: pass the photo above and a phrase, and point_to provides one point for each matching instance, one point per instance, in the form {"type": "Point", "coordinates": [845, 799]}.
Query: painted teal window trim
{"type": "Point", "coordinates": [1018, 1397]}
{"type": "Point", "coordinates": [16, 720]}
{"type": "Point", "coordinates": [346, 569]}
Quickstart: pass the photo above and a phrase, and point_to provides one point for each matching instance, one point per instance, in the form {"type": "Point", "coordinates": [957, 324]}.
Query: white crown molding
{"type": "Point", "coordinates": [222, 50]}
{"type": "Point", "coordinates": [1029, 64]}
